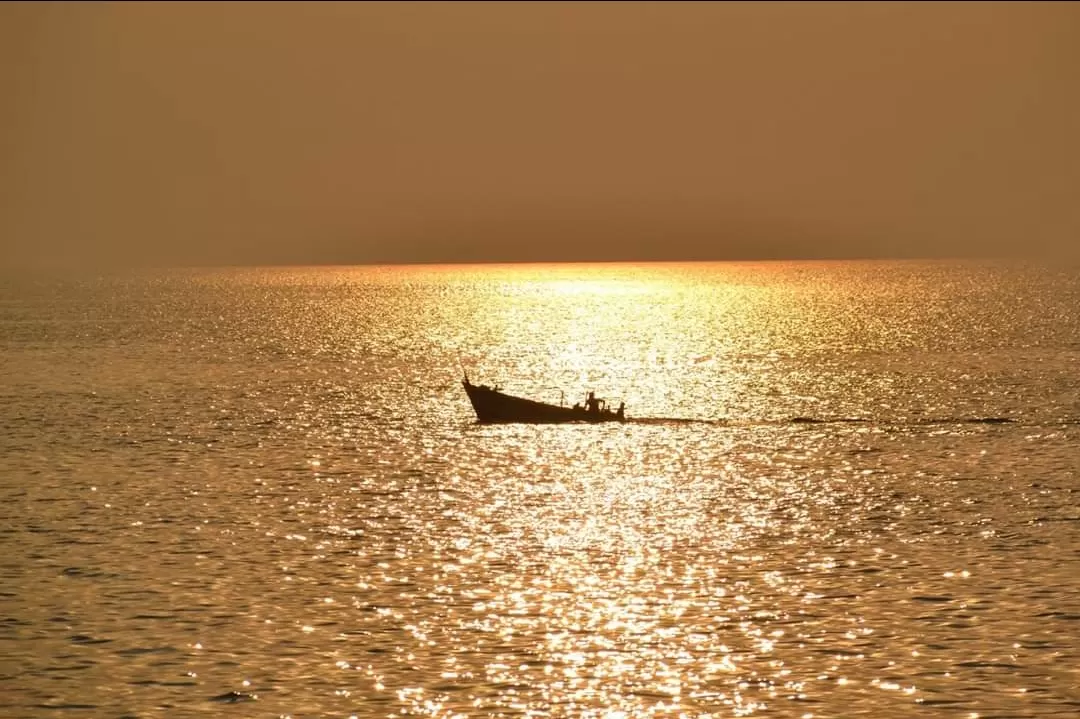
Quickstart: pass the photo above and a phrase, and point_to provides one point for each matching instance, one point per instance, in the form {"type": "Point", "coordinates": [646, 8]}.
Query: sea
{"type": "Point", "coordinates": [843, 489]}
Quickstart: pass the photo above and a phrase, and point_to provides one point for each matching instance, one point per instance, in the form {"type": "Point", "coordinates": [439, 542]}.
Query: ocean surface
{"type": "Point", "coordinates": [844, 489]}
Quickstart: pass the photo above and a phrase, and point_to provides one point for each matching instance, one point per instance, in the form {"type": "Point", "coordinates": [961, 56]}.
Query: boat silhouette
{"type": "Point", "coordinates": [492, 405]}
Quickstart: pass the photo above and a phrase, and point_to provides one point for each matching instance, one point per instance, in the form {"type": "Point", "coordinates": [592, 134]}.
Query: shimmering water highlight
{"type": "Point", "coordinates": [848, 489]}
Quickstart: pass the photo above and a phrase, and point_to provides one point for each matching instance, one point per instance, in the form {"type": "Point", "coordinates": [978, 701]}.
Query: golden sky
{"type": "Point", "coordinates": [259, 133]}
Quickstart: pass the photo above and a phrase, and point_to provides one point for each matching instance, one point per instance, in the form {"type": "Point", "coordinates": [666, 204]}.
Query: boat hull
{"type": "Point", "coordinates": [492, 406]}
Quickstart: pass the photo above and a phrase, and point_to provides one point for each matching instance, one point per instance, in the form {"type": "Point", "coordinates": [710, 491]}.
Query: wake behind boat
{"type": "Point", "coordinates": [492, 405]}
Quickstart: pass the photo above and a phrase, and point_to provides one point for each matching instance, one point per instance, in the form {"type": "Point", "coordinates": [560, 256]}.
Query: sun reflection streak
{"type": "Point", "coordinates": [621, 629]}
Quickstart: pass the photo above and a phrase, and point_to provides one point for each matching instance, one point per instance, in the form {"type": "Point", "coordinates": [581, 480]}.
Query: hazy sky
{"type": "Point", "coordinates": [250, 133]}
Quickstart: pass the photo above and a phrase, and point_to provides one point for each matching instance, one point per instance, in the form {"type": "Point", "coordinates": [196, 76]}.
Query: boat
{"type": "Point", "coordinates": [493, 405]}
